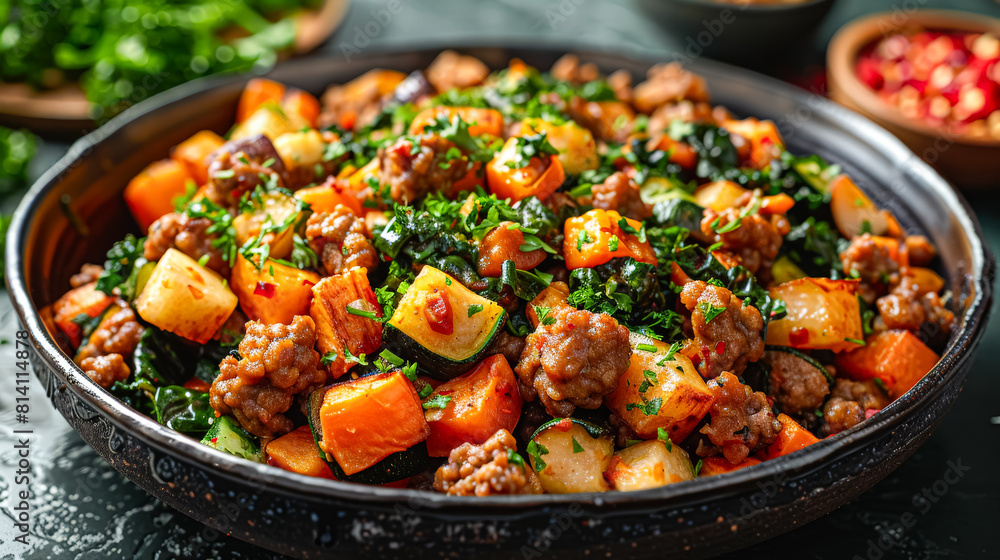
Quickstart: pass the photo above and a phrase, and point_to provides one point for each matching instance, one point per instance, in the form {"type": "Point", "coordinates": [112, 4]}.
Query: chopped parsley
{"type": "Point", "coordinates": [535, 451]}
{"type": "Point", "coordinates": [710, 311]}
{"type": "Point", "coordinates": [528, 147]}
{"type": "Point", "coordinates": [475, 308]}
{"type": "Point", "coordinates": [515, 459]}
{"type": "Point", "coordinates": [437, 401]}
{"type": "Point", "coordinates": [648, 408]}
{"type": "Point", "coordinates": [646, 347]}
{"type": "Point", "coordinates": [544, 315]}
{"type": "Point", "coordinates": [577, 448]}
{"type": "Point", "coordinates": [664, 436]}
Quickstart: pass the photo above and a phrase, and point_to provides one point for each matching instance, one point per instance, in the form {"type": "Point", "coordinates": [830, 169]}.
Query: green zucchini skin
{"type": "Point", "coordinates": [397, 466]}
{"type": "Point", "coordinates": [432, 364]}
{"type": "Point", "coordinates": [231, 438]}
{"type": "Point", "coordinates": [594, 430]}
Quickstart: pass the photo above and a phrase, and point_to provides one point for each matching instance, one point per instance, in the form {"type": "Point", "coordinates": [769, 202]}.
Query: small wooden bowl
{"type": "Point", "coordinates": [965, 161]}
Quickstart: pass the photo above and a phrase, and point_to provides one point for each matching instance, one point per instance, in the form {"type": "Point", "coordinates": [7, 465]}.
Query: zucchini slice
{"type": "Point", "coordinates": [443, 326]}
{"type": "Point", "coordinates": [227, 435]}
{"type": "Point", "coordinates": [397, 466]}
{"type": "Point", "coordinates": [571, 455]}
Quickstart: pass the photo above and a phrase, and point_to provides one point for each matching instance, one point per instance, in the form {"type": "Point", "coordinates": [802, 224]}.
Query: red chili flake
{"type": "Point", "coordinates": [308, 283]}
{"type": "Point", "coordinates": [265, 289]}
{"type": "Point", "coordinates": [720, 347]}
{"type": "Point", "coordinates": [870, 412]}
{"type": "Point", "coordinates": [570, 326]}
{"type": "Point", "coordinates": [437, 310]}
{"type": "Point", "coordinates": [563, 425]}
{"type": "Point", "coordinates": [798, 336]}
{"type": "Point", "coordinates": [215, 440]}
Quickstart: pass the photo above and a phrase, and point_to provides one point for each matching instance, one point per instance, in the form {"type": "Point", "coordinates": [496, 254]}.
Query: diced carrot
{"type": "Point", "coordinates": [151, 193]}
{"type": "Point", "coordinates": [197, 384]}
{"type": "Point", "coordinates": [503, 243]}
{"type": "Point", "coordinates": [482, 401]}
{"type": "Point", "coordinates": [337, 328]}
{"type": "Point", "coordinates": [303, 104]}
{"type": "Point", "coordinates": [777, 204]}
{"type": "Point", "coordinates": [370, 418]}
{"type": "Point", "coordinates": [274, 294]}
{"type": "Point", "coordinates": [476, 177]}
{"type": "Point", "coordinates": [599, 236]}
{"type": "Point", "coordinates": [899, 358]}
{"type": "Point", "coordinates": [85, 300]}
{"type": "Point", "coordinates": [711, 466]}
{"type": "Point", "coordinates": [296, 451]}
{"type": "Point", "coordinates": [480, 121]}
{"type": "Point", "coordinates": [326, 197]}
{"type": "Point", "coordinates": [257, 92]}
{"type": "Point", "coordinates": [791, 438]}
{"type": "Point", "coordinates": [677, 275]}
{"type": "Point", "coordinates": [552, 297]}
{"type": "Point", "coordinates": [193, 154]}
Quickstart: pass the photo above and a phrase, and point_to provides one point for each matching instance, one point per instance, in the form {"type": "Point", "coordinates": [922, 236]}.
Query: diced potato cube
{"type": "Point", "coordinates": [683, 397]}
{"type": "Point", "coordinates": [649, 465]}
{"type": "Point", "coordinates": [185, 298]}
{"type": "Point", "coordinates": [269, 120]}
{"type": "Point", "coordinates": [719, 195]}
{"type": "Point", "coordinates": [574, 461]}
{"type": "Point", "coordinates": [300, 149]}
{"type": "Point", "coordinates": [823, 314]}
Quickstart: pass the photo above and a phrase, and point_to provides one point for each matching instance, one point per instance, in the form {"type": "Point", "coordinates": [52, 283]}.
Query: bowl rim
{"type": "Point", "coordinates": [758, 8]}
{"type": "Point", "coordinates": [857, 34]}
{"type": "Point", "coordinates": [814, 457]}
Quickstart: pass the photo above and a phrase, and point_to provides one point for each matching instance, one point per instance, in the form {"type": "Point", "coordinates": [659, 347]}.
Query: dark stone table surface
{"type": "Point", "coordinates": [85, 510]}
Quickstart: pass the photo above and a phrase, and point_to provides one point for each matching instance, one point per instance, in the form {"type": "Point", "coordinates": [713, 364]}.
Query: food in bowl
{"type": "Point", "coordinates": [947, 79]}
{"type": "Point", "coordinates": [503, 283]}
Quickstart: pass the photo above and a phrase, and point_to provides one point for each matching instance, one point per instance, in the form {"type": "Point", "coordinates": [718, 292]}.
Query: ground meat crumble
{"type": "Point", "coordinates": [106, 370]}
{"type": "Point", "coordinates": [241, 165]}
{"type": "Point", "coordinates": [755, 241]}
{"type": "Point", "coordinates": [189, 236]}
{"type": "Point", "coordinates": [339, 239]}
{"type": "Point", "coordinates": [741, 421]}
{"type": "Point", "coordinates": [277, 362]}
{"type": "Point", "coordinates": [484, 470]}
{"type": "Point", "coordinates": [412, 172]}
{"type": "Point", "coordinates": [117, 333]}
{"type": "Point", "coordinates": [574, 361]}
{"type": "Point", "coordinates": [849, 404]}
{"type": "Point", "coordinates": [619, 193]}
{"type": "Point", "coordinates": [872, 263]}
{"type": "Point", "coordinates": [731, 339]}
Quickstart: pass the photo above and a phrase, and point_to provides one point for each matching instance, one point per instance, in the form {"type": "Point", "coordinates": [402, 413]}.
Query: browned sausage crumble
{"type": "Point", "coordinates": [484, 470]}
{"type": "Point", "coordinates": [796, 385]}
{"type": "Point", "coordinates": [189, 236]}
{"type": "Point", "coordinates": [731, 339]}
{"type": "Point", "coordinates": [412, 172]}
{"type": "Point", "coordinates": [574, 361]}
{"type": "Point", "coordinates": [742, 421]}
{"type": "Point", "coordinates": [339, 239]}
{"type": "Point", "coordinates": [277, 362]}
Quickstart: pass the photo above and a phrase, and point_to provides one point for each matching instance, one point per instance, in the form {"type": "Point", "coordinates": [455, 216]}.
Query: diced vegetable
{"type": "Point", "coordinates": [719, 195]}
{"type": "Point", "coordinates": [228, 436]}
{"type": "Point", "coordinates": [185, 298]}
{"type": "Point", "coordinates": [256, 93]}
{"type": "Point", "coordinates": [442, 325]}
{"type": "Point", "coordinates": [379, 82]}
{"type": "Point", "coordinates": [296, 452]}
{"type": "Point", "coordinates": [823, 314]}
{"type": "Point", "coordinates": [785, 270]}
{"type": "Point", "coordinates": [657, 393]}
{"type": "Point", "coordinates": [679, 152]}
{"type": "Point", "coordinates": [539, 178]}
{"type": "Point", "coordinates": [337, 327]}
{"type": "Point", "coordinates": [151, 193]}
{"type": "Point", "coordinates": [854, 213]}
{"type": "Point", "coordinates": [268, 120]}
{"type": "Point", "coordinates": [649, 464]}
{"type": "Point", "coordinates": [326, 197]}
{"type": "Point", "coordinates": [480, 121]}
{"type": "Point", "coordinates": [504, 243]}
{"type": "Point", "coordinates": [791, 438]}
{"type": "Point", "coordinates": [274, 294]}
{"type": "Point", "coordinates": [476, 405]}
{"type": "Point", "coordinates": [182, 409]}
{"type": "Point", "coordinates": [925, 280]}
{"type": "Point", "coordinates": [899, 358]}
{"type": "Point", "coordinates": [766, 143]}
{"type": "Point", "coordinates": [300, 148]}
{"type": "Point", "coordinates": [712, 466]}
{"type": "Point", "coordinates": [571, 455]}
{"type": "Point", "coordinates": [551, 297]}
{"type": "Point", "coordinates": [601, 235]}
{"type": "Point", "coordinates": [85, 300]}
{"type": "Point", "coordinates": [193, 154]}
{"type": "Point", "coordinates": [270, 208]}
{"type": "Point", "coordinates": [577, 149]}
{"type": "Point", "coordinates": [358, 180]}
{"type": "Point", "coordinates": [302, 105]}
{"type": "Point", "coordinates": [361, 422]}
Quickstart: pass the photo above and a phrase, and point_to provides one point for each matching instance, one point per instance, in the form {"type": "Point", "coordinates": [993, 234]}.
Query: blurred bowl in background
{"type": "Point", "coordinates": [972, 162]}
{"type": "Point", "coordinates": [740, 31]}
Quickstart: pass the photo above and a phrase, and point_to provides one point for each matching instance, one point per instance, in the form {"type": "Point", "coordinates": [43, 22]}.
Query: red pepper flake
{"type": "Point", "coordinates": [720, 347]}
{"type": "Point", "coordinates": [437, 311]}
{"type": "Point", "coordinates": [570, 326]}
{"type": "Point", "coordinates": [265, 289]}
{"type": "Point", "coordinates": [798, 337]}
{"type": "Point", "coordinates": [563, 425]}
{"type": "Point", "coordinates": [215, 440]}
{"type": "Point", "coordinates": [309, 283]}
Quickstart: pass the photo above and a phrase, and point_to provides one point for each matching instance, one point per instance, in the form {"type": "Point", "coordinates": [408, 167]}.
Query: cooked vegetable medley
{"type": "Point", "coordinates": [504, 283]}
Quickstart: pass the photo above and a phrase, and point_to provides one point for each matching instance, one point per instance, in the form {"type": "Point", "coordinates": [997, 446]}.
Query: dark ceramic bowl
{"type": "Point", "coordinates": [744, 33]}
{"type": "Point", "coordinates": [310, 517]}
